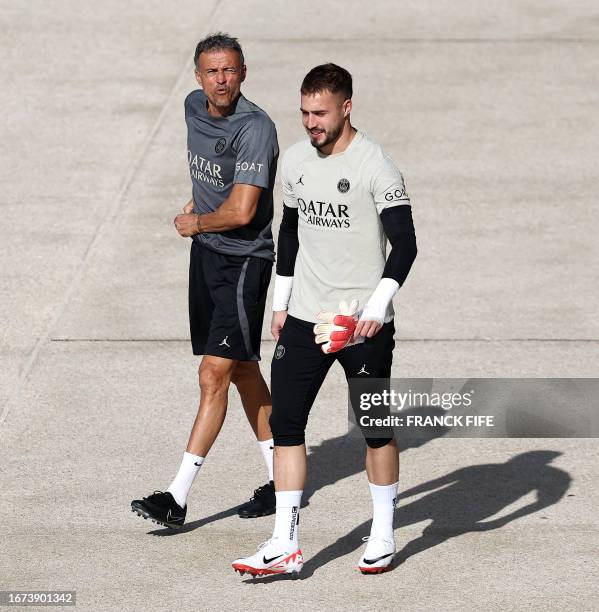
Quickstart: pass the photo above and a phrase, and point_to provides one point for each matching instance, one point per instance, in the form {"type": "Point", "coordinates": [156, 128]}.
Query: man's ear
{"type": "Point", "coordinates": [347, 106]}
{"type": "Point", "coordinates": [244, 71]}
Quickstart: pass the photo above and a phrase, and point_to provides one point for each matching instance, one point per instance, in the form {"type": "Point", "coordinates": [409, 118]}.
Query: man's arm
{"type": "Point", "coordinates": [236, 211]}
{"type": "Point", "coordinates": [288, 243]}
{"type": "Point", "coordinates": [287, 248]}
{"type": "Point", "coordinates": [399, 229]}
{"type": "Point", "coordinates": [393, 205]}
{"type": "Point", "coordinates": [257, 153]}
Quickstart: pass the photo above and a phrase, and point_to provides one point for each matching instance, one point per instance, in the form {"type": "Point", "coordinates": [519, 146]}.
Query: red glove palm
{"type": "Point", "coordinates": [336, 329]}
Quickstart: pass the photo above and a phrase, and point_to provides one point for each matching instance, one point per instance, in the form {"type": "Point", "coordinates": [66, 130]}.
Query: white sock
{"type": "Point", "coordinates": [267, 448]}
{"type": "Point", "coordinates": [383, 507]}
{"type": "Point", "coordinates": [287, 518]}
{"type": "Point", "coordinates": [179, 488]}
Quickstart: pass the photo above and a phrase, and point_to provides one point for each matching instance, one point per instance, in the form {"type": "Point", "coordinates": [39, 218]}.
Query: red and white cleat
{"type": "Point", "coordinates": [271, 558]}
{"type": "Point", "coordinates": [378, 556]}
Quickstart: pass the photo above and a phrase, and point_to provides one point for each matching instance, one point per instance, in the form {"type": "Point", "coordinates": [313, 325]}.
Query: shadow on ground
{"type": "Point", "coordinates": [331, 461]}
{"type": "Point", "coordinates": [461, 502]}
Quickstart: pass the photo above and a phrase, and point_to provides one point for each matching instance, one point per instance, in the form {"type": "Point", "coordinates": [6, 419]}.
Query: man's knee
{"type": "Point", "coordinates": [214, 378]}
{"type": "Point", "coordinates": [379, 442]}
{"type": "Point", "coordinates": [285, 433]}
{"type": "Point", "coordinates": [288, 440]}
{"type": "Point", "coordinates": [244, 372]}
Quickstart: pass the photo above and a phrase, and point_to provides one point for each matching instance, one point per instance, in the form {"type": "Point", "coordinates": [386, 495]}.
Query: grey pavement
{"type": "Point", "coordinates": [489, 109]}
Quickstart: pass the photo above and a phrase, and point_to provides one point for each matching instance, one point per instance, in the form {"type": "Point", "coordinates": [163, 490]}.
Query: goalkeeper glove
{"type": "Point", "coordinates": [335, 329]}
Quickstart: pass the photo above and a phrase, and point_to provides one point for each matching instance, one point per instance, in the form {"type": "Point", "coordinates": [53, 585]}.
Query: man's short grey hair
{"type": "Point", "coordinates": [216, 42]}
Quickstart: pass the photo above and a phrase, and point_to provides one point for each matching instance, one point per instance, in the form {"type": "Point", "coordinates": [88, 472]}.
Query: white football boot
{"type": "Point", "coordinates": [271, 558]}
{"type": "Point", "coordinates": [378, 556]}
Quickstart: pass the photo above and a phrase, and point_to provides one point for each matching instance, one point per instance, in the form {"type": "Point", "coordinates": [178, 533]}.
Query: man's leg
{"type": "Point", "coordinates": [247, 306]}
{"type": "Point", "coordinates": [170, 508]}
{"type": "Point", "coordinates": [256, 401]}
{"type": "Point", "coordinates": [223, 293]}
{"type": "Point", "coordinates": [226, 295]}
{"type": "Point", "coordinates": [372, 360]}
{"type": "Point", "coordinates": [291, 465]}
{"type": "Point", "coordinates": [281, 554]}
{"type": "Point", "coordinates": [298, 370]}
{"type": "Point", "coordinates": [382, 464]}
{"type": "Point", "coordinates": [255, 397]}
{"type": "Point", "coordinates": [382, 467]}
{"type": "Point", "coordinates": [296, 380]}
{"type": "Point", "coordinates": [214, 378]}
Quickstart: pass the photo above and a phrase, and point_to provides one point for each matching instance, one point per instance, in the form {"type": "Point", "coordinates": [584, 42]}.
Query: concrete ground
{"type": "Point", "coordinates": [489, 109]}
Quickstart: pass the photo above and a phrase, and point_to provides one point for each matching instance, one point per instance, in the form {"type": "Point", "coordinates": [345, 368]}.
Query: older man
{"type": "Point", "coordinates": [232, 155]}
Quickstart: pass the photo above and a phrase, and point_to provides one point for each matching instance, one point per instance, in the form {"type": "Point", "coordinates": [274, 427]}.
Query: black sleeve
{"type": "Point", "coordinates": [288, 244]}
{"type": "Point", "coordinates": [399, 229]}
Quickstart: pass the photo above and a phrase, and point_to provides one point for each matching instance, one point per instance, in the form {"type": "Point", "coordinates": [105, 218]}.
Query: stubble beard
{"type": "Point", "coordinates": [330, 137]}
{"type": "Point", "coordinates": [223, 102]}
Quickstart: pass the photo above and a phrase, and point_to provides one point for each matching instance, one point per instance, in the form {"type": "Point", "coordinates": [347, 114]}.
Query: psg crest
{"type": "Point", "coordinates": [343, 185]}
{"type": "Point", "coordinates": [221, 143]}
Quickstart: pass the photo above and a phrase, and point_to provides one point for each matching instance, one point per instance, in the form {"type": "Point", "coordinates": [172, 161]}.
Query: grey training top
{"type": "Point", "coordinates": [221, 151]}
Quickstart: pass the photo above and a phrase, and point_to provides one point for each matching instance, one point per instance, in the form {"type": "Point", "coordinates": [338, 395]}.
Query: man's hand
{"type": "Point", "coordinates": [278, 320]}
{"type": "Point", "coordinates": [335, 330]}
{"type": "Point", "coordinates": [187, 224]}
{"type": "Point", "coordinates": [188, 208]}
{"type": "Point", "coordinates": [373, 316]}
{"type": "Point", "coordinates": [367, 329]}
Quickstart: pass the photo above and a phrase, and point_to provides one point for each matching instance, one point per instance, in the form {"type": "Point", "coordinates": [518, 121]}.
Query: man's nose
{"type": "Point", "coordinates": [311, 122]}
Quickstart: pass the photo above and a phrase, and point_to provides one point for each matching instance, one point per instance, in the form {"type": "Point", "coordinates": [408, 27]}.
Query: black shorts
{"type": "Point", "coordinates": [299, 368]}
{"type": "Point", "coordinates": [227, 295]}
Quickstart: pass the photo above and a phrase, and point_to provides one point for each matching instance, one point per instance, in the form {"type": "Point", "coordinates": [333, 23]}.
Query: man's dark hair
{"type": "Point", "coordinates": [328, 77]}
{"type": "Point", "coordinates": [216, 42]}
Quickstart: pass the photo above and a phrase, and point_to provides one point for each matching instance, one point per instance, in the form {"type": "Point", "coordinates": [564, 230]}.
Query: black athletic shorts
{"type": "Point", "coordinates": [227, 295]}
{"type": "Point", "coordinates": [299, 368]}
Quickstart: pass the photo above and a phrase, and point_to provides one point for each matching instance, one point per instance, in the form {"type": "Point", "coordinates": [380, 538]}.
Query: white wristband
{"type": "Point", "coordinates": [376, 307]}
{"type": "Point", "coordinates": [282, 292]}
